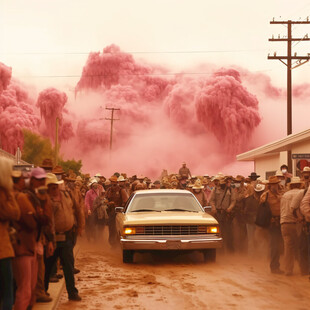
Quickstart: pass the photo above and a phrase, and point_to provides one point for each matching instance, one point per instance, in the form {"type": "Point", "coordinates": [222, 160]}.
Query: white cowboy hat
{"type": "Point", "coordinates": [52, 179]}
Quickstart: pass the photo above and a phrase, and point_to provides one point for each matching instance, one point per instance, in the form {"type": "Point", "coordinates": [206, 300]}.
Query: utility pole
{"type": "Point", "coordinates": [287, 60]}
{"type": "Point", "coordinates": [112, 119]}
{"type": "Point", "coordinates": [56, 141]}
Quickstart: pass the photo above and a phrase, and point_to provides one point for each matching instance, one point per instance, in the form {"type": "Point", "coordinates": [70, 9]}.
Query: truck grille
{"type": "Point", "coordinates": [171, 230]}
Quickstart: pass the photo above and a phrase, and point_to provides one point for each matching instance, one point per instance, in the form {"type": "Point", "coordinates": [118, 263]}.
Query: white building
{"type": "Point", "coordinates": [269, 157]}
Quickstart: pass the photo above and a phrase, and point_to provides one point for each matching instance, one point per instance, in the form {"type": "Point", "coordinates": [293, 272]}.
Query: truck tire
{"type": "Point", "coordinates": [128, 256]}
{"type": "Point", "coordinates": [209, 255]}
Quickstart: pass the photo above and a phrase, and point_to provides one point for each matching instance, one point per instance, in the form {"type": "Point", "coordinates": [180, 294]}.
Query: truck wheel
{"type": "Point", "coordinates": [128, 256]}
{"type": "Point", "coordinates": [209, 255]}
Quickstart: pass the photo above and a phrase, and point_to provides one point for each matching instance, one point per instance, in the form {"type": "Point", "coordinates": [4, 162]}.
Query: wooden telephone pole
{"type": "Point", "coordinates": [287, 60]}
{"type": "Point", "coordinates": [57, 141]}
{"type": "Point", "coordinates": [112, 119]}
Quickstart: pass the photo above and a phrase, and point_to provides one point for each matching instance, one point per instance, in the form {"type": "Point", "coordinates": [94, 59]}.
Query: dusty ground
{"type": "Point", "coordinates": [183, 282]}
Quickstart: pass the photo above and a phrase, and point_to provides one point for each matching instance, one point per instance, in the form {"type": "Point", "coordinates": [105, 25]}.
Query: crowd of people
{"type": "Point", "coordinates": [44, 210]}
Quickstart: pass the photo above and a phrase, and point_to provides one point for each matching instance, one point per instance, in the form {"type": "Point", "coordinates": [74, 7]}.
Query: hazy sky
{"type": "Point", "coordinates": [47, 42]}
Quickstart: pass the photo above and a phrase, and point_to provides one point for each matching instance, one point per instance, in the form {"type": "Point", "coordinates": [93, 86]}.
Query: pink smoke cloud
{"type": "Point", "coordinates": [17, 113]}
{"type": "Point", "coordinates": [228, 110]}
{"type": "Point", "coordinates": [301, 91]}
{"type": "Point", "coordinates": [5, 76]}
{"type": "Point", "coordinates": [159, 116]}
{"type": "Point", "coordinates": [51, 103]}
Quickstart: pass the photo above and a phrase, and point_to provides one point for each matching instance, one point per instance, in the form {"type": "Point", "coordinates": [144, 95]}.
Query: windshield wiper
{"type": "Point", "coordinates": [145, 210]}
{"type": "Point", "coordinates": [180, 210]}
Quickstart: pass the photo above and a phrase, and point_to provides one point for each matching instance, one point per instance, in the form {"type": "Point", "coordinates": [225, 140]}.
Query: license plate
{"type": "Point", "coordinates": [173, 245]}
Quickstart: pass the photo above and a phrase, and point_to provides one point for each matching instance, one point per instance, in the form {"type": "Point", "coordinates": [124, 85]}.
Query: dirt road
{"type": "Point", "coordinates": [183, 282]}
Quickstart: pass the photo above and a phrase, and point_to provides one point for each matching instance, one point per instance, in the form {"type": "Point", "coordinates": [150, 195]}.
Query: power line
{"type": "Point", "coordinates": [129, 74]}
{"type": "Point", "coordinates": [135, 52]}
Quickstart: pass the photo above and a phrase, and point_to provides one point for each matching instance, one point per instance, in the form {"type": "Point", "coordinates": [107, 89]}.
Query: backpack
{"type": "Point", "coordinates": [101, 212]}
{"type": "Point", "coordinates": [264, 215]}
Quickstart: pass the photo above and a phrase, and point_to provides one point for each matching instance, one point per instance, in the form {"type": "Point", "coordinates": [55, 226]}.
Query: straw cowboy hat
{"type": "Point", "coordinates": [121, 179]}
{"type": "Point", "coordinates": [174, 178]}
{"type": "Point", "coordinates": [113, 178]}
{"type": "Point", "coordinates": [273, 180]}
{"type": "Point", "coordinates": [295, 180]}
{"type": "Point", "coordinates": [198, 185]}
{"type": "Point", "coordinates": [92, 181]}
{"type": "Point", "coordinates": [58, 170]}
{"type": "Point", "coordinates": [71, 177]}
{"type": "Point", "coordinates": [279, 174]}
{"type": "Point", "coordinates": [223, 181]}
{"type": "Point", "coordinates": [52, 179]}
{"type": "Point", "coordinates": [259, 187]}
{"type": "Point", "coordinates": [239, 178]}
{"type": "Point", "coordinates": [47, 164]}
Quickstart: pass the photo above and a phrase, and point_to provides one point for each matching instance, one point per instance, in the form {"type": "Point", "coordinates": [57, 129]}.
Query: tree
{"type": "Point", "coordinates": [36, 148]}
{"type": "Point", "coordinates": [72, 164]}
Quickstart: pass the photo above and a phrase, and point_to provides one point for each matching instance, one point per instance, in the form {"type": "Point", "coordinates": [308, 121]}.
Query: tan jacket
{"type": "Point", "coordinates": [63, 213]}
{"type": "Point", "coordinates": [9, 211]}
{"type": "Point", "coordinates": [287, 207]}
{"type": "Point", "coordinates": [27, 226]}
{"type": "Point", "coordinates": [78, 208]}
{"type": "Point", "coordinates": [305, 206]}
{"type": "Point", "coordinates": [222, 199]}
{"type": "Point", "coordinates": [201, 197]}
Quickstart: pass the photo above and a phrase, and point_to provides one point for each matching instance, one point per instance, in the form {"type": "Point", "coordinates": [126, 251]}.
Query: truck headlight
{"type": "Point", "coordinates": [129, 231]}
{"type": "Point", "coordinates": [213, 229]}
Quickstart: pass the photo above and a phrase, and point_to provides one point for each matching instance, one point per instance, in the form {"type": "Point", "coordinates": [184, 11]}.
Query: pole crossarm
{"type": "Point", "coordinates": [290, 22]}
{"type": "Point", "coordinates": [290, 57]}
{"type": "Point", "coordinates": [285, 39]}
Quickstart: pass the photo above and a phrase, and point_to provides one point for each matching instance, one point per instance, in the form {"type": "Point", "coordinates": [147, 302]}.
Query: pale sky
{"type": "Point", "coordinates": [47, 42]}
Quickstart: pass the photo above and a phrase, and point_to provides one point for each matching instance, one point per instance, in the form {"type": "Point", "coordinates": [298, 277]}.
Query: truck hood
{"type": "Point", "coordinates": [169, 218]}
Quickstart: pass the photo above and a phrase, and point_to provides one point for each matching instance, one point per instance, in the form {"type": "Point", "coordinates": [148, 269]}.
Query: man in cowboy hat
{"type": "Point", "coordinates": [239, 224]}
{"type": "Point", "coordinates": [117, 197]}
{"type": "Point", "coordinates": [199, 193]}
{"type": "Point", "coordinates": [287, 175]}
{"type": "Point", "coordinates": [93, 192]}
{"type": "Point", "coordinates": [251, 182]}
{"type": "Point", "coordinates": [25, 261]}
{"type": "Point", "coordinates": [288, 220]}
{"type": "Point", "coordinates": [302, 225]}
{"type": "Point", "coordinates": [59, 172]}
{"type": "Point", "coordinates": [64, 219]}
{"type": "Point", "coordinates": [141, 178]}
{"type": "Point", "coordinates": [273, 197]}
{"type": "Point", "coordinates": [306, 176]}
{"type": "Point", "coordinates": [47, 165]}
{"type": "Point", "coordinates": [157, 184]}
{"type": "Point", "coordinates": [223, 201]}
{"type": "Point", "coordinates": [305, 210]}
{"type": "Point", "coordinates": [184, 172]}
{"type": "Point", "coordinates": [39, 198]}
{"type": "Point", "coordinates": [251, 204]}
{"type": "Point", "coordinates": [72, 187]}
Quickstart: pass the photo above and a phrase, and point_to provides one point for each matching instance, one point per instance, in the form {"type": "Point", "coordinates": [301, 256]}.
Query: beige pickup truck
{"type": "Point", "coordinates": [166, 219]}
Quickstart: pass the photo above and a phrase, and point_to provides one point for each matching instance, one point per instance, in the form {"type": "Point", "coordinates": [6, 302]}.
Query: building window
{"type": "Point", "coordinates": [270, 173]}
